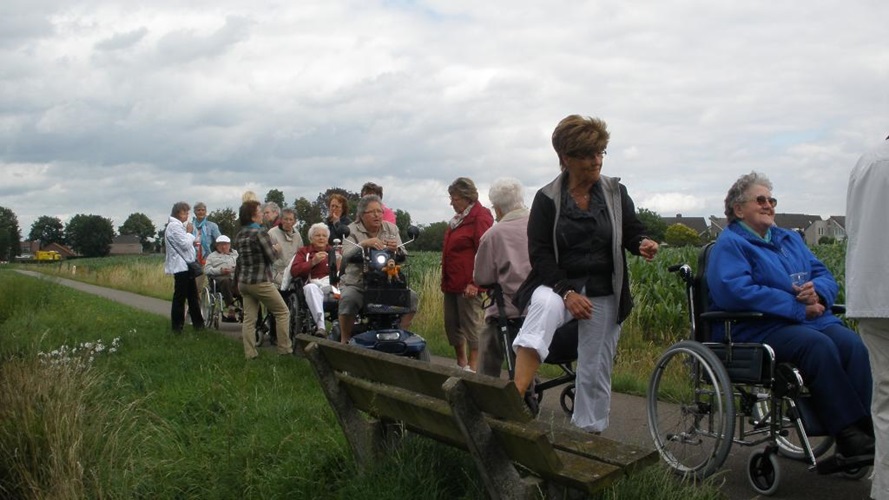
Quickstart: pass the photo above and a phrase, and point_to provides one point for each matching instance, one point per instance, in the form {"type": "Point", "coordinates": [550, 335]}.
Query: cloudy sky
{"type": "Point", "coordinates": [113, 107]}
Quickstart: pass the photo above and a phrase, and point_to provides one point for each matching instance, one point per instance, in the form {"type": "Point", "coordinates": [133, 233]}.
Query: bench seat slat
{"type": "Point", "coordinates": [601, 449]}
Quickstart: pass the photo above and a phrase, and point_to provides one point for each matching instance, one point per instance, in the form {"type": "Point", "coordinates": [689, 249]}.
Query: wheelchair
{"type": "Point", "coordinates": [301, 321]}
{"type": "Point", "coordinates": [562, 350]}
{"type": "Point", "coordinates": [213, 305]}
{"type": "Point", "coordinates": [704, 396]}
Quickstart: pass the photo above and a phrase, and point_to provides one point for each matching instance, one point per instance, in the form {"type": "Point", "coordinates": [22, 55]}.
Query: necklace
{"type": "Point", "coordinates": [582, 196]}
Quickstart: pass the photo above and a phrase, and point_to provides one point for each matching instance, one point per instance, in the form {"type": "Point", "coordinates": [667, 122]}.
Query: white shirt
{"type": "Point", "coordinates": [867, 232]}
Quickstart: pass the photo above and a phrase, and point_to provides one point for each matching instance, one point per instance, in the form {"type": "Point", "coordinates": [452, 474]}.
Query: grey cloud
{"type": "Point", "coordinates": [122, 40]}
{"type": "Point", "coordinates": [185, 45]}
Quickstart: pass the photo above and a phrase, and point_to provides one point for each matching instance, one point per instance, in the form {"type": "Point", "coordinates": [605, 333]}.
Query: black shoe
{"type": "Point", "coordinates": [854, 445]}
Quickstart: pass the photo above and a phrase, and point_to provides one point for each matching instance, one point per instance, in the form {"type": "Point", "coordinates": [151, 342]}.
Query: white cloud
{"type": "Point", "coordinates": [132, 108]}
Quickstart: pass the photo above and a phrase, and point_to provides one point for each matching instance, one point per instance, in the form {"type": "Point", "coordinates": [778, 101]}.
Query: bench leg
{"type": "Point", "coordinates": [500, 476]}
{"type": "Point", "coordinates": [366, 437]}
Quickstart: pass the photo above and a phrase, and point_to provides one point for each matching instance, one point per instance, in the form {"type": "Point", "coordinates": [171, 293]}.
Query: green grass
{"type": "Point", "coordinates": [187, 417]}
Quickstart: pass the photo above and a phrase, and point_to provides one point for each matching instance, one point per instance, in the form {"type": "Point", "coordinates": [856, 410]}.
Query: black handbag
{"type": "Point", "coordinates": [195, 270]}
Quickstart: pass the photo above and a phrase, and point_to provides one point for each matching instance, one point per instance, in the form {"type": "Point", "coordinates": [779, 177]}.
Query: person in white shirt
{"type": "Point", "coordinates": [180, 250]}
{"type": "Point", "coordinates": [867, 289]}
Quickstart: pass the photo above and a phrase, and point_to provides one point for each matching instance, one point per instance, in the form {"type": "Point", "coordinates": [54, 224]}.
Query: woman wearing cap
{"type": "Point", "coordinates": [579, 228]}
{"type": "Point", "coordinates": [220, 267]}
{"type": "Point", "coordinates": [463, 315]}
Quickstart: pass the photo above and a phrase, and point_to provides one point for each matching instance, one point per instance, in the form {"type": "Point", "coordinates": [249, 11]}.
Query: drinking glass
{"type": "Point", "coordinates": [799, 279]}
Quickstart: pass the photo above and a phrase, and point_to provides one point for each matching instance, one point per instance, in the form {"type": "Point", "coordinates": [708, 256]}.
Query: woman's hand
{"type": "Point", "coordinates": [374, 243]}
{"type": "Point", "coordinates": [578, 305]}
{"type": "Point", "coordinates": [470, 291]}
{"type": "Point", "coordinates": [318, 257]}
{"type": "Point", "coordinates": [648, 248]}
{"type": "Point", "coordinates": [814, 311]}
{"type": "Point", "coordinates": [806, 294]}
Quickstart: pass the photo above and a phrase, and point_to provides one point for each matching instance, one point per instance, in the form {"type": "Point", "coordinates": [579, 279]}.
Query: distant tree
{"type": "Point", "coordinates": [307, 213]}
{"type": "Point", "coordinates": [227, 220]}
{"type": "Point", "coordinates": [655, 226]}
{"type": "Point", "coordinates": [680, 235]}
{"type": "Point", "coordinates": [827, 240]}
{"type": "Point", "coordinates": [138, 224]}
{"type": "Point", "coordinates": [277, 196]}
{"type": "Point", "coordinates": [90, 235]}
{"type": "Point", "coordinates": [431, 237]}
{"type": "Point", "coordinates": [403, 221]}
{"type": "Point", "coordinates": [47, 230]}
{"type": "Point", "coordinates": [159, 241]}
{"type": "Point", "coordinates": [10, 235]}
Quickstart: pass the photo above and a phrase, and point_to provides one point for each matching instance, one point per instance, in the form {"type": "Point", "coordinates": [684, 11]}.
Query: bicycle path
{"type": "Point", "coordinates": [628, 423]}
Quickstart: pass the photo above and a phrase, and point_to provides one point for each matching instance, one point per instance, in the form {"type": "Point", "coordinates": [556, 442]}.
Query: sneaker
{"type": "Point", "coordinates": [320, 332]}
{"type": "Point", "coordinates": [468, 369]}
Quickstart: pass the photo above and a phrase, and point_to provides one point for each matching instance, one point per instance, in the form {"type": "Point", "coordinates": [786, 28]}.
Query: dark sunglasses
{"type": "Point", "coordinates": [762, 200]}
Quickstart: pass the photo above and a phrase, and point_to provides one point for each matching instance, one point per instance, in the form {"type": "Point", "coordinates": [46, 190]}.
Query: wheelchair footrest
{"type": "Point", "coordinates": [834, 464]}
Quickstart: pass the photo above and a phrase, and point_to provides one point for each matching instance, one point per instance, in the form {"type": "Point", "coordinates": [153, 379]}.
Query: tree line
{"type": "Point", "coordinates": [92, 235]}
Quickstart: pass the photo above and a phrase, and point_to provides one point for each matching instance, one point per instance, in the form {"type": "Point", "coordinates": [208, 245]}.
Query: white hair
{"type": "Point", "coordinates": [507, 194]}
{"type": "Point", "coordinates": [318, 226]}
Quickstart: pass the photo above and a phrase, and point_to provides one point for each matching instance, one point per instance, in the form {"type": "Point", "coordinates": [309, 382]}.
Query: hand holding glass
{"type": "Point", "coordinates": [799, 279]}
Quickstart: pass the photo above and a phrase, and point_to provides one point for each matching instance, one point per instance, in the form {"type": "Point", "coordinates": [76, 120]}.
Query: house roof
{"type": "Point", "coordinates": [126, 239]}
{"type": "Point", "coordinates": [839, 219]}
{"type": "Point", "coordinates": [698, 224]}
{"type": "Point", "coordinates": [795, 221]}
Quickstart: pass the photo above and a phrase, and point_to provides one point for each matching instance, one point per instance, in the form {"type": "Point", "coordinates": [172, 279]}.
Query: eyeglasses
{"type": "Point", "coordinates": [762, 200]}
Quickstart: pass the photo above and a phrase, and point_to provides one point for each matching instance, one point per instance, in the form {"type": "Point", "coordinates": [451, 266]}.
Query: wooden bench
{"type": "Point", "coordinates": [374, 395]}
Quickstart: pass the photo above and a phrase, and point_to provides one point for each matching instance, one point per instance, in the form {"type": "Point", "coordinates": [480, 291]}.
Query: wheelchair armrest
{"type": "Point", "coordinates": [838, 308]}
{"type": "Point", "coordinates": [731, 315]}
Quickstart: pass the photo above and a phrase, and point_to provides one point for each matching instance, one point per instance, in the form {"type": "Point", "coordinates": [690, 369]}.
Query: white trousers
{"type": "Point", "coordinates": [315, 300]}
{"type": "Point", "coordinates": [875, 334]}
{"type": "Point", "coordinates": [596, 347]}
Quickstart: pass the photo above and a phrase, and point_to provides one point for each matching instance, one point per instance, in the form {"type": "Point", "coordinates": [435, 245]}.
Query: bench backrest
{"type": "Point", "coordinates": [413, 392]}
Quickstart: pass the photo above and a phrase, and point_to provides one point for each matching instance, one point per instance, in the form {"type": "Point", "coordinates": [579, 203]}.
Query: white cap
{"type": "Point", "coordinates": [223, 239]}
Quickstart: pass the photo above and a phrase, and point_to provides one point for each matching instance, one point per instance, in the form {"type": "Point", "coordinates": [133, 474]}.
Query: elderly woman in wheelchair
{"type": "Point", "coordinates": [311, 264]}
{"type": "Point", "coordinates": [369, 233]}
{"type": "Point", "coordinates": [758, 266]}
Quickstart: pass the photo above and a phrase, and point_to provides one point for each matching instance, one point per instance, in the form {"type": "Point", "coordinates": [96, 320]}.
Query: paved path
{"type": "Point", "coordinates": [629, 423]}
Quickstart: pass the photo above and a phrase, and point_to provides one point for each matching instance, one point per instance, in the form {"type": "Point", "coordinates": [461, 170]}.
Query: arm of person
{"type": "Point", "coordinates": [181, 241]}
{"type": "Point", "coordinates": [302, 266]}
{"type": "Point", "coordinates": [541, 249]}
{"type": "Point", "coordinates": [268, 249]}
{"type": "Point", "coordinates": [635, 238]}
{"type": "Point", "coordinates": [484, 271]}
{"type": "Point", "coordinates": [214, 264]}
{"type": "Point", "coordinates": [732, 287]}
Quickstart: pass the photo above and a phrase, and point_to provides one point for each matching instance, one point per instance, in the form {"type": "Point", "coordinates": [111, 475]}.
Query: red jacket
{"type": "Point", "coordinates": [460, 245]}
{"type": "Point", "coordinates": [302, 265]}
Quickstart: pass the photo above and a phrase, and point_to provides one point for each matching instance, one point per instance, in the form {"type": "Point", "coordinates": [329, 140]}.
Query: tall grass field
{"type": "Point", "coordinates": [98, 400]}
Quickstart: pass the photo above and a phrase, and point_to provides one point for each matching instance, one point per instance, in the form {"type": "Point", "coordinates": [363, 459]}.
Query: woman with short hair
{"type": "Point", "coordinates": [463, 315]}
{"type": "Point", "coordinates": [580, 227]}
{"type": "Point", "coordinates": [179, 245]}
{"type": "Point", "coordinates": [255, 257]}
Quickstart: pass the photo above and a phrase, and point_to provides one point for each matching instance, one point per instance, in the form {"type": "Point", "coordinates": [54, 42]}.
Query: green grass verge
{"type": "Point", "coordinates": [187, 417]}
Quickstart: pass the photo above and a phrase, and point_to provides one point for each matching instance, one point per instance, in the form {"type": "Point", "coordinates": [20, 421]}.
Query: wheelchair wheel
{"type": "Point", "coordinates": [790, 445]}
{"type": "Point", "coordinates": [764, 472]}
{"type": "Point", "coordinates": [207, 306]}
{"type": "Point", "coordinates": [295, 320]}
{"type": "Point", "coordinates": [566, 400]}
{"type": "Point", "coordinates": [216, 314]}
{"type": "Point", "coordinates": [691, 412]}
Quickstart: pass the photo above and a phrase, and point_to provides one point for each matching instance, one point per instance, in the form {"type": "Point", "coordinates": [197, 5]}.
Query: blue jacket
{"type": "Point", "coordinates": [745, 273]}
